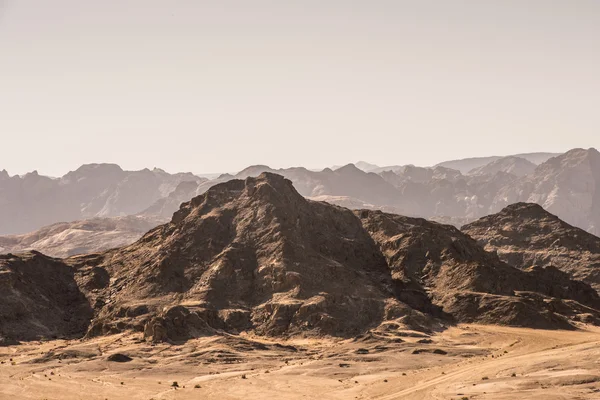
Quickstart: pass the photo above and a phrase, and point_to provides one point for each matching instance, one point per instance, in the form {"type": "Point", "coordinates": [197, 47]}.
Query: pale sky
{"type": "Point", "coordinates": [209, 86]}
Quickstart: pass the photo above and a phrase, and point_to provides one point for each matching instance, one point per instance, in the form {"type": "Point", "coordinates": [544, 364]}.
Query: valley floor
{"type": "Point", "coordinates": [464, 362]}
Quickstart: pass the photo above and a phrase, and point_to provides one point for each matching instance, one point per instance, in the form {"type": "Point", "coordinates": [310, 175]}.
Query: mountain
{"type": "Point", "coordinates": [437, 266]}
{"type": "Point", "coordinates": [525, 235]}
{"type": "Point", "coordinates": [511, 165]}
{"type": "Point", "coordinates": [362, 165]}
{"type": "Point", "coordinates": [346, 185]}
{"type": "Point", "coordinates": [65, 239]}
{"type": "Point", "coordinates": [94, 190]}
{"type": "Point", "coordinates": [567, 185]}
{"type": "Point", "coordinates": [255, 255]}
{"type": "Point", "coordinates": [467, 164]}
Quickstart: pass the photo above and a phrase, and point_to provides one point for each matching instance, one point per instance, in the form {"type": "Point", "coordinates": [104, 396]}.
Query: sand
{"type": "Point", "coordinates": [482, 362]}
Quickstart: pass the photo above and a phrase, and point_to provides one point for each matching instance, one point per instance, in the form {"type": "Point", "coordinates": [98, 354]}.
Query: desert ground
{"type": "Point", "coordinates": [462, 362]}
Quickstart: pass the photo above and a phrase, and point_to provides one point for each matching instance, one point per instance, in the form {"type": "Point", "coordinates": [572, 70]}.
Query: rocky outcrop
{"type": "Point", "coordinates": [450, 270]}
{"type": "Point", "coordinates": [40, 298]}
{"type": "Point", "coordinates": [525, 235]}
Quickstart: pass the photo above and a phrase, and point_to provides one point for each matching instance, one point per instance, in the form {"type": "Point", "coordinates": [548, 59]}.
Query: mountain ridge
{"type": "Point", "coordinates": [255, 255]}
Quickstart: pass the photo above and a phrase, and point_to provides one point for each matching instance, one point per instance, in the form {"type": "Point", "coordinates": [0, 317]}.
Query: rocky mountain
{"type": "Point", "coordinates": [65, 239]}
{"type": "Point", "coordinates": [95, 190]}
{"type": "Point", "coordinates": [255, 255]}
{"type": "Point", "coordinates": [438, 267]}
{"type": "Point", "coordinates": [525, 235]}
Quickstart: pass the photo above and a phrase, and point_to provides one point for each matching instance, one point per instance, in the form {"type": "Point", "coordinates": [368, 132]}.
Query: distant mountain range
{"type": "Point", "coordinates": [567, 185]}
{"type": "Point", "coordinates": [31, 201]}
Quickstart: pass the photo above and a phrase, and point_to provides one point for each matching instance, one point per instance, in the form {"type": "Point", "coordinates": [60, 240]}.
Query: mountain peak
{"type": "Point", "coordinates": [253, 170]}
{"type": "Point", "coordinates": [349, 169]}
{"type": "Point", "coordinates": [525, 234]}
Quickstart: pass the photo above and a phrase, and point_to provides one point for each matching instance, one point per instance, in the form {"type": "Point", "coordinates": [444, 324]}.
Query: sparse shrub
{"type": "Point", "coordinates": [197, 386]}
{"type": "Point", "coordinates": [175, 384]}
{"type": "Point", "coordinates": [485, 378]}
{"type": "Point", "coordinates": [244, 376]}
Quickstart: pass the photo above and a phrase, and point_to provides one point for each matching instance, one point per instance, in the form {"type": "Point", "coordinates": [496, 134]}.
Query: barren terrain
{"type": "Point", "coordinates": [481, 362]}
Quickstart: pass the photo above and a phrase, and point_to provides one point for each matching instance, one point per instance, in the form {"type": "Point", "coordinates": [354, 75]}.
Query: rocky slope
{"type": "Point", "coordinates": [438, 267]}
{"type": "Point", "coordinates": [254, 255]}
{"type": "Point", "coordinates": [95, 190]}
{"type": "Point", "coordinates": [40, 299]}
{"type": "Point", "coordinates": [526, 235]}
{"type": "Point", "coordinates": [66, 239]}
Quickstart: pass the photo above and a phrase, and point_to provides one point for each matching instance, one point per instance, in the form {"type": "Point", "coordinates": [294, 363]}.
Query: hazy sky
{"type": "Point", "coordinates": [208, 86]}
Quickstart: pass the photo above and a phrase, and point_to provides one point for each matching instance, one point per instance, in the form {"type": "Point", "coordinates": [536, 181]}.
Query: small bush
{"type": "Point", "coordinates": [485, 378]}
{"type": "Point", "coordinates": [197, 386]}
{"type": "Point", "coordinates": [175, 384]}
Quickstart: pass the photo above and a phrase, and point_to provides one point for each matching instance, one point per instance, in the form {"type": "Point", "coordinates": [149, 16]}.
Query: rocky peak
{"type": "Point", "coordinates": [525, 234]}
{"type": "Point", "coordinates": [349, 169]}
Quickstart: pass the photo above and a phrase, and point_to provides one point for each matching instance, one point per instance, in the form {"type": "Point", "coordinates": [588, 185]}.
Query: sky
{"type": "Point", "coordinates": [212, 86]}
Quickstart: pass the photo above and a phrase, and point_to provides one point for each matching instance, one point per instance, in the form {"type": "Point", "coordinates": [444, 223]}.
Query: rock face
{"type": "Point", "coordinates": [66, 239]}
{"type": "Point", "coordinates": [94, 190]}
{"type": "Point", "coordinates": [255, 255]}
{"type": "Point", "coordinates": [526, 235]}
{"type": "Point", "coordinates": [40, 299]}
